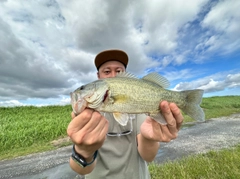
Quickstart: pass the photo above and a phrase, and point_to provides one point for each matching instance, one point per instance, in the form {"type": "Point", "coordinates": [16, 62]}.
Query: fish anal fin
{"type": "Point", "coordinates": [158, 117]}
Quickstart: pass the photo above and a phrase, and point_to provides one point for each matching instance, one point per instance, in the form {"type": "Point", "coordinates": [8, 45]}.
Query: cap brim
{"type": "Point", "coordinates": [111, 55]}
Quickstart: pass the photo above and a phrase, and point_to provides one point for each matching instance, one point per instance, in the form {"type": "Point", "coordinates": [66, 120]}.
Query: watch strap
{"type": "Point", "coordinates": [80, 160]}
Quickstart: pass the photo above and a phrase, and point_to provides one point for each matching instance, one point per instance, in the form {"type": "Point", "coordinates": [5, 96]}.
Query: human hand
{"type": "Point", "coordinates": [153, 131]}
{"type": "Point", "coordinates": [88, 131]}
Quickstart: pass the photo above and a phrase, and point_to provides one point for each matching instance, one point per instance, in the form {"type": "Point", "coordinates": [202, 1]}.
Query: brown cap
{"type": "Point", "coordinates": [111, 55]}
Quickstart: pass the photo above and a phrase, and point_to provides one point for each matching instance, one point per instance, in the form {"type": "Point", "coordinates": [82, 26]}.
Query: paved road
{"type": "Point", "coordinates": [196, 138]}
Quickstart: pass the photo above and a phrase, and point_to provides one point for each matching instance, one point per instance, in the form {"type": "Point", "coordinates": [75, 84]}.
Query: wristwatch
{"type": "Point", "coordinates": [80, 160]}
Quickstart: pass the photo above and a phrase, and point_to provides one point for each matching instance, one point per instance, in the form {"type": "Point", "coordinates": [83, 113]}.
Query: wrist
{"type": "Point", "coordinates": [82, 161]}
{"type": "Point", "coordinates": [86, 154]}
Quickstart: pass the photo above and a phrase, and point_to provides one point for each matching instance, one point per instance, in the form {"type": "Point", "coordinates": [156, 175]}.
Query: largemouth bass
{"type": "Point", "coordinates": [125, 94]}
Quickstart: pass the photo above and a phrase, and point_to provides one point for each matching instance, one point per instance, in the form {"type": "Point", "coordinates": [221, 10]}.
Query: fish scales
{"type": "Point", "coordinates": [139, 96]}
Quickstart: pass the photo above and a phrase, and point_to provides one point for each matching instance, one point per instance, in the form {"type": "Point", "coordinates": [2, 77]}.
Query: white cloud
{"type": "Point", "coordinates": [182, 75]}
{"type": "Point", "coordinates": [223, 21]}
{"type": "Point", "coordinates": [11, 103]}
{"type": "Point", "coordinates": [47, 47]}
{"type": "Point", "coordinates": [212, 86]}
{"type": "Point", "coordinates": [161, 22]}
{"type": "Point", "coordinates": [64, 101]}
{"type": "Point", "coordinates": [217, 82]}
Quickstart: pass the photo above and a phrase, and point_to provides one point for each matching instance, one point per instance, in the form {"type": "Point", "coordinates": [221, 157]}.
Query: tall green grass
{"type": "Point", "coordinates": [29, 129]}
{"type": "Point", "coordinates": [222, 164]}
{"type": "Point", "coordinates": [220, 106]}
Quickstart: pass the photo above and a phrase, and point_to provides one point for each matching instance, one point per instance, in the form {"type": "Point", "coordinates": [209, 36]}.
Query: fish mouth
{"type": "Point", "coordinates": [78, 103]}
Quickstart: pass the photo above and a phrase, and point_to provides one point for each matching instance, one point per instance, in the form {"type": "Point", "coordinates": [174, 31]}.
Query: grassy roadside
{"type": "Point", "coordinates": [214, 164]}
{"type": "Point", "coordinates": [25, 130]}
{"type": "Point", "coordinates": [29, 129]}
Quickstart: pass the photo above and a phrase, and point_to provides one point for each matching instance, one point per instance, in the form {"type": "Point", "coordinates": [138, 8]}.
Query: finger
{"type": "Point", "coordinates": [93, 122]}
{"type": "Point", "coordinates": [161, 132]}
{"type": "Point", "coordinates": [79, 121]}
{"type": "Point", "coordinates": [101, 129]}
{"type": "Point", "coordinates": [167, 114]}
{"type": "Point", "coordinates": [164, 134]}
{"type": "Point", "coordinates": [80, 127]}
{"type": "Point", "coordinates": [177, 114]}
{"type": "Point", "coordinates": [95, 131]}
{"type": "Point", "coordinates": [168, 133]}
{"type": "Point", "coordinates": [170, 119]}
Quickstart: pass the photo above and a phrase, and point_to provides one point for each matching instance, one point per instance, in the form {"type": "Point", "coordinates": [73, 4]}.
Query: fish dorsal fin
{"type": "Point", "coordinates": [157, 79]}
{"type": "Point", "coordinates": [126, 75]}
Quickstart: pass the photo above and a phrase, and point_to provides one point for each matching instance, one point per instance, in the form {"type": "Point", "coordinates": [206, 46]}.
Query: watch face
{"type": "Point", "coordinates": [79, 160]}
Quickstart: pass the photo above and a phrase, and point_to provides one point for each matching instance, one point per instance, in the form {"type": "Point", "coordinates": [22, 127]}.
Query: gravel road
{"type": "Point", "coordinates": [196, 138]}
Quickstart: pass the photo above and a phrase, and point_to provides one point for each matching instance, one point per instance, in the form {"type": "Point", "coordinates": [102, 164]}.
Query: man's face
{"type": "Point", "coordinates": [110, 69]}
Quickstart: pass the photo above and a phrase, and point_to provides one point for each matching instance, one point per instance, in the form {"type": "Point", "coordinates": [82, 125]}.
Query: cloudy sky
{"type": "Point", "coordinates": [47, 47]}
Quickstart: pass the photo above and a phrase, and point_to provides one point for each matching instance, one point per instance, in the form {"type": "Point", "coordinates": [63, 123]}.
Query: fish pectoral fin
{"type": "Point", "coordinates": [121, 118]}
{"type": "Point", "coordinates": [158, 117]}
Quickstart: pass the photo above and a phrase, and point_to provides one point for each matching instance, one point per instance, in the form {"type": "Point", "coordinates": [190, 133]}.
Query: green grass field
{"type": "Point", "coordinates": [223, 164]}
{"type": "Point", "coordinates": [25, 130]}
{"type": "Point", "coordinates": [29, 129]}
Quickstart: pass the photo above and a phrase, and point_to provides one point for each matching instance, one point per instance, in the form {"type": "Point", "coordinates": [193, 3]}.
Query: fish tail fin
{"type": "Point", "coordinates": [193, 101]}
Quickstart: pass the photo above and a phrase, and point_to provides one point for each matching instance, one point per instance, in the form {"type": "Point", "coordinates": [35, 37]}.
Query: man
{"type": "Point", "coordinates": [124, 155]}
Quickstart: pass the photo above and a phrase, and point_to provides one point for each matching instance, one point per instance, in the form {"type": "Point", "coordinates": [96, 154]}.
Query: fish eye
{"type": "Point", "coordinates": [81, 88]}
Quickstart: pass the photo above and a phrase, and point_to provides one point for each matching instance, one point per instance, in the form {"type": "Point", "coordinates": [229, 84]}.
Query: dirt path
{"type": "Point", "coordinates": [214, 134]}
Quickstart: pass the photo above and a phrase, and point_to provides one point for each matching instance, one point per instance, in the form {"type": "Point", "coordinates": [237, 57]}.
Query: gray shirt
{"type": "Point", "coordinates": [118, 158]}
